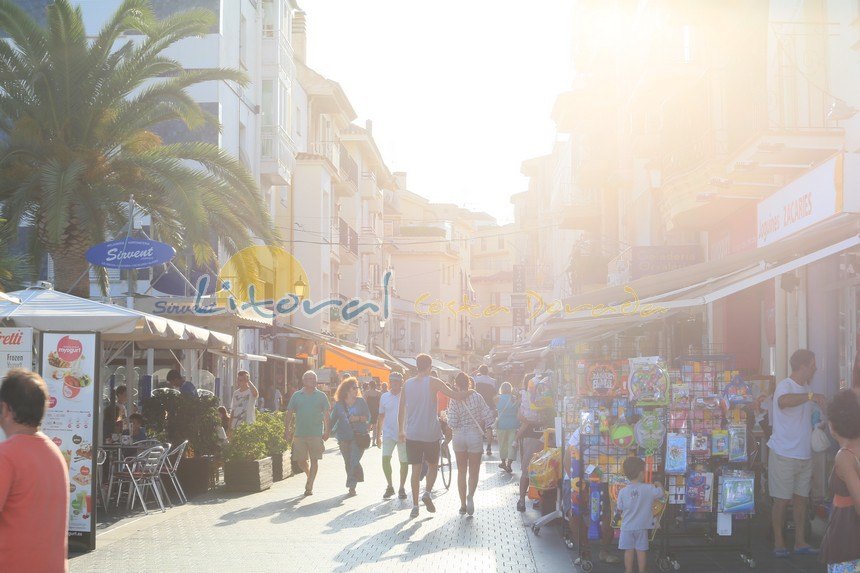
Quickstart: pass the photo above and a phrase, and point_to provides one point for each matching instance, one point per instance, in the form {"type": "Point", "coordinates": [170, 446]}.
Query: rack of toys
{"type": "Point", "coordinates": [620, 409]}
{"type": "Point", "coordinates": [711, 488]}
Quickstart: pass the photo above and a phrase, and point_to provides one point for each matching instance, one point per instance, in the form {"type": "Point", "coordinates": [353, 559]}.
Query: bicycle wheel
{"type": "Point", "coordinates": [445, 464]}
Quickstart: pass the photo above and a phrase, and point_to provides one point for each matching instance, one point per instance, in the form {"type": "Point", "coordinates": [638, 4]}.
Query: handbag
{"type": "Point", "coordinates": [362, 439]}
{"type": "Point", "coordinates": [820, 439]}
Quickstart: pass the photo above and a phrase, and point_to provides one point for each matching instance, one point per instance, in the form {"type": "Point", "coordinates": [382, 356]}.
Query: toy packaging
{"type": "Point", "coordinates": [720, 443]}
{"type": "Point", "coordinates": [700, 444]}
{"type": "Point", "coordinates": [699, 492]}
{"type": "Point", "coordinates": [615, 484]}
{"type": "Point", "coordinates": [680, 395]}
{"type": "Point", "coordinates": [737, 443]}
{"type": "Point", "coordinates": [677, 488]}
{"type": "Point", "coordinates": [588, 424]}
{"type": "Point", "coordinates": [737, 494]}
{"type": "Point", "coordinates": [602, 379]}
{"type": "Point", "coordinates": [676, 454]}
{"type": "Point", "coordinates": [648, 384]}
{"type": "Point", "coordinates": [736, 392]}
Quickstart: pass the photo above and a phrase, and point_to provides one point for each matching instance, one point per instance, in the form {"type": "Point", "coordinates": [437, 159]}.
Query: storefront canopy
{"type": "Point", "coordinates": [438, 365]}
{"type": "Point", "coordinates": [345, 359]}
{"type": "Point", "coordinates": [47, 309]}
{"type": "Point", "coordinates": [658, 296]}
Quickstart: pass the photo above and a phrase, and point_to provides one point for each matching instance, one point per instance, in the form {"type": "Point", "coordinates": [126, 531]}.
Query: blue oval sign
{"type": "Point", "coordinates": [130, 254]}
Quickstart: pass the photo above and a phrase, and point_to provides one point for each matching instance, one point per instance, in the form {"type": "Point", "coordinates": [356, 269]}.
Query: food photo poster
{"type": "Point", "coordinates": [69, 361]}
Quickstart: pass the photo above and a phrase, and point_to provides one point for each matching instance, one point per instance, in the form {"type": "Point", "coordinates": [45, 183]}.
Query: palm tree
{"type": "Point", "coordinates": [79, 118]}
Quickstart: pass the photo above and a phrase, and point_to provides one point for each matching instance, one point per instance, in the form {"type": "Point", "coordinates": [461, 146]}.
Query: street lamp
{"type": "Point", "coordinates": [300, 288]}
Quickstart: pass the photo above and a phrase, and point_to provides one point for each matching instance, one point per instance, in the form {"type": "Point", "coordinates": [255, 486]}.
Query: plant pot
{"type": "Point", "coordinates": [281, 468]}
{"type": "Point", "coordinates": [250, 476]}
{"type": "Point", "coordinates": [195, 475]}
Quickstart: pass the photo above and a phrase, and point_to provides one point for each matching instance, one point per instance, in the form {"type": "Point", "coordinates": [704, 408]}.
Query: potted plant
{"type": "Point", "coordinates": [247, 465]}
{"type": "Point", "coordinates": [175, 418]}
{"type": "Point", "coordinates": [276, 444]}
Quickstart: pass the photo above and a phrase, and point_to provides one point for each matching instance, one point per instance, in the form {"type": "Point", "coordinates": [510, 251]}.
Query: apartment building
{"type": "Point", "coordinates": [689, 124]}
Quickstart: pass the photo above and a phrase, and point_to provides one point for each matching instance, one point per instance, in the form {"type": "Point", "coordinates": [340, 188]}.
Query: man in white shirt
{"type": "Point", "coordinates": [790, 459]}
{"type": "Point", "coordinates": [488, 388]}
{"type": "Point", "coordinates": [243, 407]}
{"type": "Point", "coordinates": [387, 438]}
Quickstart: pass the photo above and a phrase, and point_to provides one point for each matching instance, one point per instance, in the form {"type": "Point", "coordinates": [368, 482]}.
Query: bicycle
{"type": "Point", "coordinates": [445, 462]}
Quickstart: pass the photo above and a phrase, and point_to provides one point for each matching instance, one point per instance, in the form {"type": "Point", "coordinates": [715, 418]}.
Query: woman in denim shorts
{"type": "Point", "coordinates": [469, 420]}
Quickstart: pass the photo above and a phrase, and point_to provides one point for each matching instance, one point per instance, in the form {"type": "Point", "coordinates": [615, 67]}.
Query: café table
{"type": "Point", "coordinates": [116, 452]}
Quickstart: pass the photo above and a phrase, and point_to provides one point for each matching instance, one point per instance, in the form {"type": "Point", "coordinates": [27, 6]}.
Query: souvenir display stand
{"type": "Point", "coordinates": [619, 410]}
{"type": "Point", "coordinates": [712, 491]}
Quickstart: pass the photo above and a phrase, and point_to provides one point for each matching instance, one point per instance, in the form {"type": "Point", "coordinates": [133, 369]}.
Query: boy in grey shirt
{"type": "Point", "coordinates": [634, 503]}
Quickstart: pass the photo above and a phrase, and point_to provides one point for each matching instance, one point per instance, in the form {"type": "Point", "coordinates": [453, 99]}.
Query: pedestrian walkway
{"type": "Point", "coordinates": [280, 530]}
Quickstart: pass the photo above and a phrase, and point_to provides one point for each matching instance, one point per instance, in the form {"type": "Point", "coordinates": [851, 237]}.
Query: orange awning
{"type": "Point", "coordinates": [343, 359]}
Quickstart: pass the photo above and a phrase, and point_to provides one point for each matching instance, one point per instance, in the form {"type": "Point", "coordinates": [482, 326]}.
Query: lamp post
{"type": "Point", "coordinates": [300, 287]}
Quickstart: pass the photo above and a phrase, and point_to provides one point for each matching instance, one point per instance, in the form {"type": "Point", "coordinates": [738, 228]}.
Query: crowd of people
{"type": "Point", "coordinates": [414, 417]}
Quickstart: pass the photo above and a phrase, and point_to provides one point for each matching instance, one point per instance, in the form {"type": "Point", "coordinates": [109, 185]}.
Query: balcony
{"type": "Point", "coordinates": [348, 172]}
{"type": "Point", "coordinates": [277, 156]}
{"type": "Point", "coordinates": [338, 325]}
{"type": "Point", "coordinates": [346, 238]}
{"type": "Point", "coordinates": [369, 240]}
{"type": "Point", "coordinates": [328, 150]}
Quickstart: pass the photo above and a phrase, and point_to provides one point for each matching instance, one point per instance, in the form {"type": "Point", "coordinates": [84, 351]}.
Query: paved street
{"type": "Point", "coordinates": [279, 530]}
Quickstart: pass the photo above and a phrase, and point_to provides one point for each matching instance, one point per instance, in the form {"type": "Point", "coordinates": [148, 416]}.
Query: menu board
{"type": "Point", "coordinates": [16, 351]}
{"type": "Point", "coordinates": [69, 361]}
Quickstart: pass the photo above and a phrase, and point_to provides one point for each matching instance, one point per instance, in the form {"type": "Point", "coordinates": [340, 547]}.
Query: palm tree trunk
{"type": "Point", "coordinates": [70, 265]}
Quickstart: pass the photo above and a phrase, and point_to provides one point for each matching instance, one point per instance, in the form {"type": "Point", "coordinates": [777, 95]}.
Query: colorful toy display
{"type": "Point", "coordinates": [649, 381]}
{"type": "Point", "coordinates": [621, 435]}
{"type": "Point", "coordinates": [596, 500]}
{"type": "Point", "coordinates": [615, 484]}
{"type": "Point", "coordinates": [737, 392]}
{"type": "Point", "coordinates": [676, 454]}
{"type": "Point", "coordinates": [649, 432]}
{"type": "Point", "coordinates": [680, 395]}
{"type": "Point", "coordinates": [700, 444]}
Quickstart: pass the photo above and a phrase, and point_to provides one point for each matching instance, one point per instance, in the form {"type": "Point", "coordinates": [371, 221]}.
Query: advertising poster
{"type": "Point", "coordinates": [16, 351]}
{"type": "Point", "coordinates": [69, 366]}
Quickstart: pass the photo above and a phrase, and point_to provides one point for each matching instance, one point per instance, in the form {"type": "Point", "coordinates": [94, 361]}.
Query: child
{"type": "Point", "coordinates": [137, 431]}
{"type": "Point", "coordinates": [634, 503]}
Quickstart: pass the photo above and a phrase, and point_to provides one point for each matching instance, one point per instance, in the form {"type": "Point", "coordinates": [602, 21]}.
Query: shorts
{"type": "Point", "coordinates": [388, 450]}
{"type": "Point", "coordinates": [633, 539]}
{"type": "Point", "coordinates": [305, 447]}
{"type": "Point", "coordinates": [468, 440]}
{"type": "Point", "coordinates": [787, 477]}
{"type": "Point", "coordinates": [528, 448]}
{"type": "Point", "coordinates": [419, 452]}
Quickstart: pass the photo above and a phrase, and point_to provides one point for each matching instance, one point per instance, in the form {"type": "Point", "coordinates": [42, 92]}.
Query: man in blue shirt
{"type": "Point", "coordinates": [178, 382]}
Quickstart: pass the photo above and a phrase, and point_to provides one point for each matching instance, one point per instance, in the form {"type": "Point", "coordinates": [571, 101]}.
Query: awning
{"type": "Point", "coordinates": [346, 359]}
{"type": "Point", "coordinates": [529, 354]}
{"type": "Point", "coordinates": [48, 309]}
{"type": "Point", "coordinates": [241, 356]}
{"type": "Point", "coordinates": [392, 361]}
{"type": "Point", "coordinates": [284, 358]}
{"type": "Point", "coordinates": [437, 365]}
{"type": "Point", "coordinates": [659, 296]}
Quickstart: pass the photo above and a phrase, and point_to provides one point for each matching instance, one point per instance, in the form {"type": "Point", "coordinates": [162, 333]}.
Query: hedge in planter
{"type": "Point", "coordinates": [174, 418]}
{"type": "Point", "coordinates": [276, 444]}
{"type": "Point", "coordinates": [247, 467]}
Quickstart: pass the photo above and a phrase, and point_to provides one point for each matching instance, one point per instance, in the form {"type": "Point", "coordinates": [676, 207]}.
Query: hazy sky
{"type": "Point", "coordinates": [459, 92]}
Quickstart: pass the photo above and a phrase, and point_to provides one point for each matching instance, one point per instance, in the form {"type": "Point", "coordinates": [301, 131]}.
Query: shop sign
{"type": "Point", "coordinates": [16, 349]}
{"type": "Point", "coordinates": [130, 254]}
{"type": "Point", "coordinates": [735, 235]}
{"type": "Point", "coordinates": [69, 367]}
{"type": "Point", "coordinates": [807, 200]}
{"type": "Point", "coordinates": [647, 260]}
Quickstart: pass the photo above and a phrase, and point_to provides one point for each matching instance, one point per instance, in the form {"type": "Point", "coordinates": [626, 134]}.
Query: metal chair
{"type": "Point", "coordinates": [149, 443]}
{"type": "Point", "coordinates": [101, 458]}
{"type": "Point", "coordinates": [141, 471]}
{"type": "Point", "coordinates": [171, 464]}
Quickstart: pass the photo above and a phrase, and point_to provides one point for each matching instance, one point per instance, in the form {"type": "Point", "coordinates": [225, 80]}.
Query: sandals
{"type": "Point", "coordinates": [781, 553]}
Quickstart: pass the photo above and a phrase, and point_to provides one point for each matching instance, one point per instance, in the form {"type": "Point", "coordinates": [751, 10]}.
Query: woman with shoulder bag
{"type": "Point", "coordinates": [469, 420]}
{"type": "Point", "coordinates": [349, 418]}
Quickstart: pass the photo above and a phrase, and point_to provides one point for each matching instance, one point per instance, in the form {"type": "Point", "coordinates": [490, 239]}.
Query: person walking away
{"type": "Point", "coordinates": [488, 388]}
{"type": "Point", "coordinates": [418, 426]}
{"type": "Point", "coordinates": [840, 549]}
{"type": "Point", "coordinates": [468, 420]}
{"type": "Point", "coordinates": [507, 406]}
{"type": "Point", "coordinates": [387, 436]}
{"type": "Point", "coordinates": [243, 406]}
{"type": "Point", "coordinates": [789, 463]}
{"type": "Point", "coordinates": [178, 382]}
{"type": "Point", "coordinates": [349, 422]}
{"type": "Point", "coordinates": [34, 481]}
{"type": "Point", "coordinates": [635, 501]}
{"type": "Point", "coordinates": [529, 436]}
{"type": "Point", "coordinates": [309, 407]}
{"type": "Point", "coordinates": [372, 397]}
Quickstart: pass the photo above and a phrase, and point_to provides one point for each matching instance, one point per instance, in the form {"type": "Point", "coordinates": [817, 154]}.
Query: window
{"type": "Point", "coordinates": [284, 107]}
{"type": "Point", "coordinates": [268, 103]}
{"type": "Point", "coordinates": [298, 120]}
{"type": "Point", "coordinates": [501, 243]}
